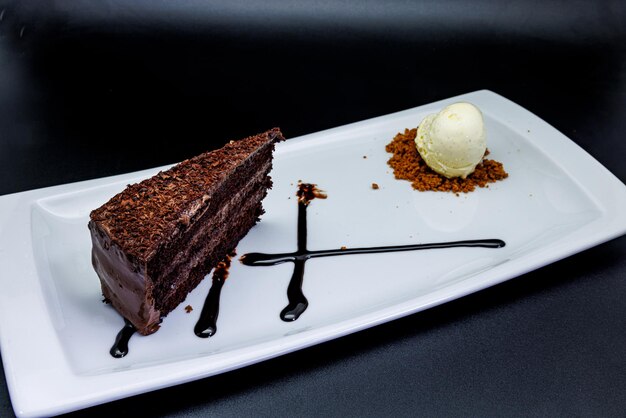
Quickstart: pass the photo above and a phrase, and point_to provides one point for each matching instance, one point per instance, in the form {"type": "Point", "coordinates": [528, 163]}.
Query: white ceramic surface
{"type": "Point", "coordinates": [55, 333]}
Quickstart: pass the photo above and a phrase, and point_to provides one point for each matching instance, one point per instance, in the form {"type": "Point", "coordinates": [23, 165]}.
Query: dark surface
{"type": "Point", "coordinates": [89, 89]}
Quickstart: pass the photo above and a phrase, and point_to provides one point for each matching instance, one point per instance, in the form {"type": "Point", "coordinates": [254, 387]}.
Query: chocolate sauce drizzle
{"type": "Point", "coordinates": [207, 323]}
{"type": "Point", "coordinates": [120, 346]}
{"type": "Point", "coordinates": [298, 303]}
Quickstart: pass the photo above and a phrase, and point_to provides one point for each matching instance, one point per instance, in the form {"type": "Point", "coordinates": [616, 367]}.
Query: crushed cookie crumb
{"type": "Point", "coordinates": [375, 186]}
{"type": "Point", "coordinates": [343, 247]}
{"type": "Point", "coordinates": [188, 308]}
{"type": "Point", "coordinates": [408, 165]}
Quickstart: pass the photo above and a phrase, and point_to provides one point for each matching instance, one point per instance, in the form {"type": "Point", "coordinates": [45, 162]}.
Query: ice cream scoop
{"type": "Point", "coordinates": [453, 141]}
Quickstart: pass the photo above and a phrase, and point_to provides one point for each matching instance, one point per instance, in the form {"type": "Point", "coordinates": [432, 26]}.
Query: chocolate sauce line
{"type": "Point", "coordinates": [263, 259]}
{"type": "Point", "coordinates": [298, 303]}
{"type": "Point", "coordinates": [207, 323]}
{"type": "Point", "coordinates": [120, 346]}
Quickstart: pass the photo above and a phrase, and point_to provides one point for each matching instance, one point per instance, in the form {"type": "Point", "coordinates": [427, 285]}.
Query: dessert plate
{"type": "Point", "coordinates": [55, 332]}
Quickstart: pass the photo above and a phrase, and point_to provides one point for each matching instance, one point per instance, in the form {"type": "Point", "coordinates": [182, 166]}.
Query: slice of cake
{"type": "Point", "coordinates": [156, 240]}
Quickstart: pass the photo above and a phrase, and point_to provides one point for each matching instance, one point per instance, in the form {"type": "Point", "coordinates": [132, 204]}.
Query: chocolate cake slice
{"type": "Point", "coordinates": [155, 241]}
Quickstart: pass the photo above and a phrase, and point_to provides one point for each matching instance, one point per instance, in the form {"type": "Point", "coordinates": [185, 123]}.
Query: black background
{"type": "Point", "coordinates": [89, 89]}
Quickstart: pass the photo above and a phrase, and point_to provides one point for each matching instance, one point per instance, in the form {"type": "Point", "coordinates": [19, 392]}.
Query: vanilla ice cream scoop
{"type": "Point", "coordinates": [453, 141]}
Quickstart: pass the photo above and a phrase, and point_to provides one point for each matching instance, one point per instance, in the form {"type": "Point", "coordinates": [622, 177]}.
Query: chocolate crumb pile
{"type": "Point", "coordinates": [408, 165]}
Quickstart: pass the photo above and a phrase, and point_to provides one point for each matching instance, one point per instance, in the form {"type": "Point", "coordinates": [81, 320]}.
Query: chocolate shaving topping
{"type": "Point", "coordinates": [140, 217]}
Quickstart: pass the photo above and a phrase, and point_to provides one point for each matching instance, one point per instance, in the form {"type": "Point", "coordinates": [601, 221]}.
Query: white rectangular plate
{"type": "Point", "coordinates": [55, 332]}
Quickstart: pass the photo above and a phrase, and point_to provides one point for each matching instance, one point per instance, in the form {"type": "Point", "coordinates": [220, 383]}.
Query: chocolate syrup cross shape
{"type": "Point", "coordinates": [297, 301]}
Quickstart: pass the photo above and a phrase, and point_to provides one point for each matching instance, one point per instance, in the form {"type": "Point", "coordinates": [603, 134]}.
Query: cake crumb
{"type": "Point", "coordinates": [375, 186]}
{"type": "Point", "coordinates": [188, 308]}
{"type": "Point", "coordinates": [309, 191]}
{"type": "Point", "coordinates": [408, 165]}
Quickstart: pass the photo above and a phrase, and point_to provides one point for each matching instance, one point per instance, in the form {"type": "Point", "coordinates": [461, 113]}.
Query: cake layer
{"type": "Point", "coordinates": [255, 168]}
{"type": "Point", "coordinates": [212, 243]}
{"type": "Point", "coordinates": [247, 218]}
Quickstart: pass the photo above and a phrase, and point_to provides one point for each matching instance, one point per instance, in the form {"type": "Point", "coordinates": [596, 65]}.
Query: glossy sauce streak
{"type": "Point", "coordinates": [297, 301]}
{"type": "Point", "coordinates": [207, 323]}
{"type": "Point", "coordinates": [120, 346]}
